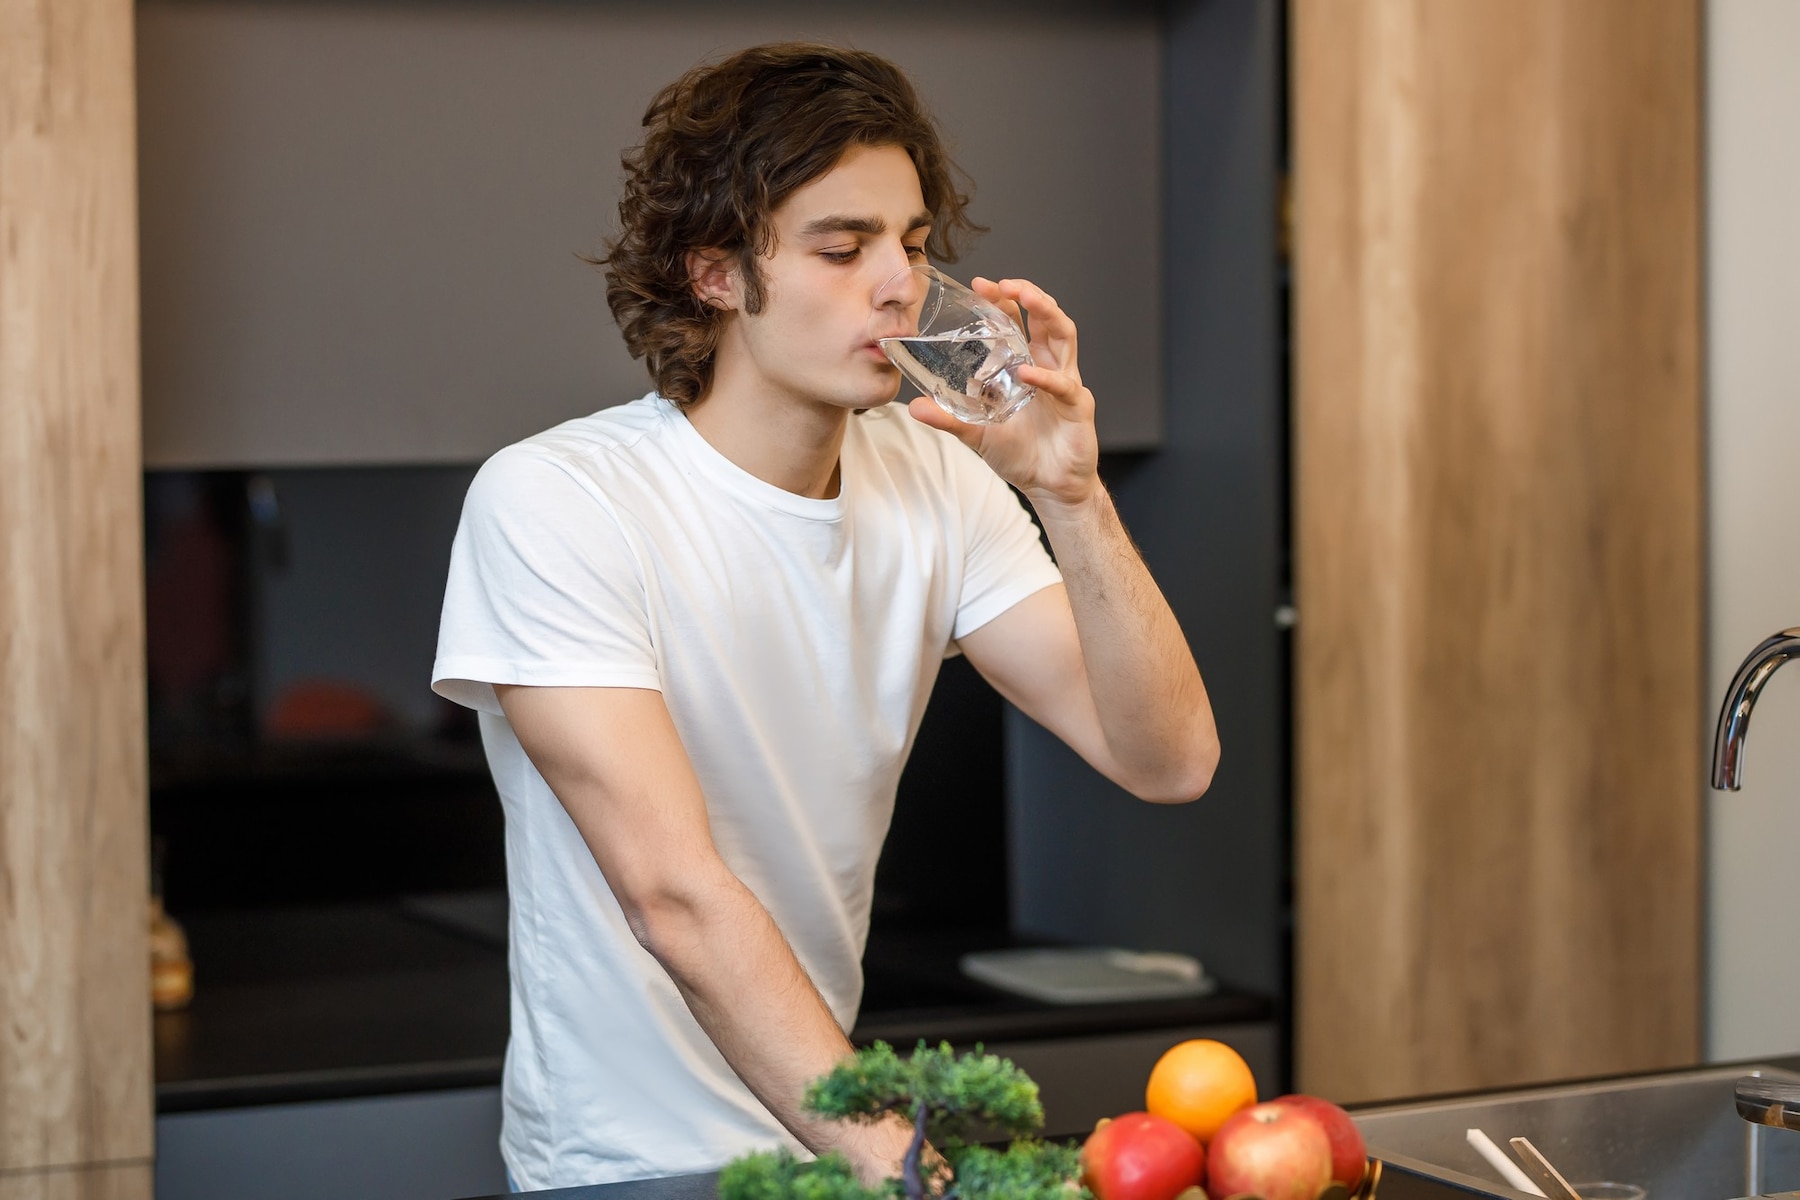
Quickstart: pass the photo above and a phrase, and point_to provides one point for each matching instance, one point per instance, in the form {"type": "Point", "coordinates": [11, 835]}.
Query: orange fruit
{"type": "Point", "coordinates": [1198, 1085]}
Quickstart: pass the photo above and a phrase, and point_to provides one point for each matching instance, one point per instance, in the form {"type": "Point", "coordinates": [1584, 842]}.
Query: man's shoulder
{"type": "Point", "coordinates": [584, 446]}
{"type": "Point", "coordinates": [584, 456]}
{"type": "Point", "coordinates": [608, 430]}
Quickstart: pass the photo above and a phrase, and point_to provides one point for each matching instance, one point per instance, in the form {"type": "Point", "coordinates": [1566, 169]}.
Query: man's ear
{"type": "Point", "coordinates": [713, 276]}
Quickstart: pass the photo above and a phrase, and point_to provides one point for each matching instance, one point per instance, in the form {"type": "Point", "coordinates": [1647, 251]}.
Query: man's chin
{"type": "Point", "coordinates": [877, 397]}
{"type": "Point", "coordinates": [859, 404]}
{"type": "Point", "coordinates": [862, 394]}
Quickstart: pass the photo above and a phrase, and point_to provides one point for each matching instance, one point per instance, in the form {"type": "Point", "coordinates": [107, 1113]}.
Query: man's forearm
{"type": "Point", "coordinates": [747, 990]}
{"type": "Point", "coordinates": [1147, 691]}
{"type": "Point", "coordinates": [635, 799]}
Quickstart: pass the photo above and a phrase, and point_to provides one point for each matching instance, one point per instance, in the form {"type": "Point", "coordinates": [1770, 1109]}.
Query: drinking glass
{"type": "Point", "coordinates": [961, 350]}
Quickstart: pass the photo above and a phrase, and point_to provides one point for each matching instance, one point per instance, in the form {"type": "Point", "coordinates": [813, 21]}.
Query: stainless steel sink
{"type": "Point", "coordinates": [1677, 1135]}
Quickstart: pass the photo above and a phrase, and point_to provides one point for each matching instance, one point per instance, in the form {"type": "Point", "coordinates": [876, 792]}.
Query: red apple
{"type": "Point", "coordinates": [1271, 1150]}
{"type": "Point", "coordinates": [1141, 1157]}
{"type": "Point", "coordinates": [1349, 1157]}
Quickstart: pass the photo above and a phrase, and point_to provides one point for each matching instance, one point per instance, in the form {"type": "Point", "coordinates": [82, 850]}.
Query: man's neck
{"type": "Point", "coordinates": [784, 441]}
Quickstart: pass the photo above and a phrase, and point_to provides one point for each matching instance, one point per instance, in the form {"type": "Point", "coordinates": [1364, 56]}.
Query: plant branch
{"type": "Point", "coordinates": [915, 1184]}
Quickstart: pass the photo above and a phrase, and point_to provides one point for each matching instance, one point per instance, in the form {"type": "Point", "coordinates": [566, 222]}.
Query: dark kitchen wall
{"type": "Point", "coordinates": [352, 589]}
{"type": "Point", "coordinates": [298, 754]}
{"type": "Point", "coordinates": [1208, 511]}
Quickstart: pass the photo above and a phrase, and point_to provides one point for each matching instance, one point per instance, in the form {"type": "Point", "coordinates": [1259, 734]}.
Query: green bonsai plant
{"type": "Point", "coordinates": [947, 1097]}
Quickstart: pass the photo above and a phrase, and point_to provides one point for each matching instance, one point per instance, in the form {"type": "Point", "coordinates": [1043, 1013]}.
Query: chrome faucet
{"type": "Point", "coordinates": [1740, 700]}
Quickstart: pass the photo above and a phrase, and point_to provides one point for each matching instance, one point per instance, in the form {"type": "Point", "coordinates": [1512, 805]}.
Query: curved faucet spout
{"type": "Point", "coordinates": [1740, 701]}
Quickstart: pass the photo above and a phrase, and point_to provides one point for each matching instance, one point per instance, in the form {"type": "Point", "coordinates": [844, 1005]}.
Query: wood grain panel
{"type": "Point", "coordinates": [1498, 499]}
{"type": "Point", "coordinates": [74, 1009]}
{"type": "Point", "coordinates": [124, 1182]}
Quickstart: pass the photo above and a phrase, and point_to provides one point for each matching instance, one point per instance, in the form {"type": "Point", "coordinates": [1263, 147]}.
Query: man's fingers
{"type": "Point", "coordinates": [1047, 315]}
{"type": "Point", "coordinates": [1032, 296]}
{"type": "Point", "coordinates": [925, 410]}
{"type": "Point", "coordinates": [1051, 327]}
{"type": "Point", "coordinates": [1064, 387]}
{"type": "Point", "coordinates": [990, 291]}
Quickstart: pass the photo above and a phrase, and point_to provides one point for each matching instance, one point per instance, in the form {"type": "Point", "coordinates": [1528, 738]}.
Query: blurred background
{"type": "Point", "coordinates": [1445, 361]}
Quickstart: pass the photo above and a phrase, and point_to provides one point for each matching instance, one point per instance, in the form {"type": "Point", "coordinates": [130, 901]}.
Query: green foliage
{"type": "Point", "coordinates": [958, 1091]}
{"type": "Point", "coordinates": [778, 1175]}
{"type": "Point", "coordinates": [1026, 1170]}
{"type": "Point", "coordinates": [957, 1096]}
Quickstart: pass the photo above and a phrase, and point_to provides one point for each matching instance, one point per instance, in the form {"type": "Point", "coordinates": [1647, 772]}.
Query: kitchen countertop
{"type": "Point", "coordinates": [329, 1002]}
{"type": "Point", "coordinates": [703, 1187]}
{"type": "Point", "coordinates": [337, 1001]}
{"type": "Point", "coordinates": [678, 1187]}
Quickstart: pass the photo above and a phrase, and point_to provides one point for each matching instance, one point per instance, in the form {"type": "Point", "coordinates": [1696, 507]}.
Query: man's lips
{"type": "Point", "coordinates": [898, 329]}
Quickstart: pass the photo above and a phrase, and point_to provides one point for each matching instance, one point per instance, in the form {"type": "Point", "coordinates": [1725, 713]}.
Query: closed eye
{"type": "Point", "coordinates": [915, 253]}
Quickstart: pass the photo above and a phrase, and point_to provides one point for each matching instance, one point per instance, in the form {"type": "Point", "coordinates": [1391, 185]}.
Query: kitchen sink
{"type": "Point", "coordinates": [1676, 1135]}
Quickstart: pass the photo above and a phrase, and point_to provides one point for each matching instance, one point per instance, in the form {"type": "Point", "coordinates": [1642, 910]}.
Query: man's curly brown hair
{"type": "Point", "coordinates": [723, 147]}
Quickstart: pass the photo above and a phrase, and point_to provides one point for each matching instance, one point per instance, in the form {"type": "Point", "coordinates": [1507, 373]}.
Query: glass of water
{"type": "Point", "coordinates": [962, 351]}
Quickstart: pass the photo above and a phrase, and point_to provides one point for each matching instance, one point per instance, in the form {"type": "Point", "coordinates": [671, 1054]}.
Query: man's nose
{"type": "Point", "coordinates": [900, 286]}
{"type": "Point", "coordinates": [892, 262]}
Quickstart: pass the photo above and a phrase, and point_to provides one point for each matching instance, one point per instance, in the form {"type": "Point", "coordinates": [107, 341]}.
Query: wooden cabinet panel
{"type": "Point", "coordinates": [1498, 492]}
{"type": "Point", "coordinates": [129, 1182]}
{"type": "Point", "coordinates": [74, 1004]}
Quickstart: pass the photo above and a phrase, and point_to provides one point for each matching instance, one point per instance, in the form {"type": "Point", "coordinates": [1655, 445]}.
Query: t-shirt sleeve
{"type": "Point", "coordinates": [544, 587]}
{"type": "Point", "coordinates": [1005, 557]}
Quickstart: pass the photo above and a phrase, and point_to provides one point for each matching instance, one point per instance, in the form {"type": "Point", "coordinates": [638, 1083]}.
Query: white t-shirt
{"type": "Point", "coordinates": [795, 642]}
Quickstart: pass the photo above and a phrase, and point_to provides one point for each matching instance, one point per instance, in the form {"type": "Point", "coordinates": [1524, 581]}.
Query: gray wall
{"type": "Point", "coordinates": [360, 222]}
{"type": "Point", "coordinates": [1753, 426]}
{"type": "Point", "coordinates": [1207, 878]}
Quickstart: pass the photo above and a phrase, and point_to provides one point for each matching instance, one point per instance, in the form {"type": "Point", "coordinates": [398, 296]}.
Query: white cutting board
{"type": "Point", "coordinates": [1088, 974]}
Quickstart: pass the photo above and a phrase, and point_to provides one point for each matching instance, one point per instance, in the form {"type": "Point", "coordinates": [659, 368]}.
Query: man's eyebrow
{"type": "Point", "coordinates": [849, 224]}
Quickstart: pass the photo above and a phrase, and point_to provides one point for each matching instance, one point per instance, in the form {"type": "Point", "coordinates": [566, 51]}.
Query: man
{"type": "Point", "coordinates": [701, 628]}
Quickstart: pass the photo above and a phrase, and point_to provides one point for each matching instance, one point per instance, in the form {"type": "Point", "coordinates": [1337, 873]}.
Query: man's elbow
{"type": "Point", "coordinates": [666, 914]}
{"type": "Point", "coordinates": [1187, 778]}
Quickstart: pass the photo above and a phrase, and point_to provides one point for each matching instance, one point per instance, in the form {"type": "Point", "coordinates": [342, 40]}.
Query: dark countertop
{"type": "Point", "coordinates": [335, 1001]}
{"type": "Point", "coordinates": [703, 1187]}
{"type": "Point", "coordinates": [676, 1187]}
{"type": "Point", "coordinates": [328, 1002]}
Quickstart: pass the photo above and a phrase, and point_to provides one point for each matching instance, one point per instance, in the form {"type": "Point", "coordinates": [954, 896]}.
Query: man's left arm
{"type": "Point", "coordinates": [1101, 661]}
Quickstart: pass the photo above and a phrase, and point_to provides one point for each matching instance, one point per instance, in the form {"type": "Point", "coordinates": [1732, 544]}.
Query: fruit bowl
{"type": "Point", "coordinates": [1203, 1135]}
